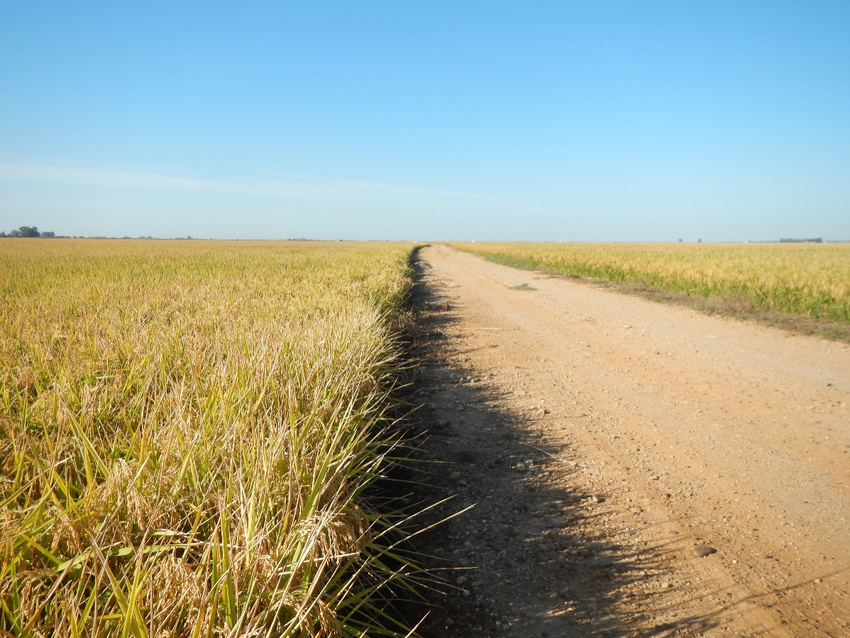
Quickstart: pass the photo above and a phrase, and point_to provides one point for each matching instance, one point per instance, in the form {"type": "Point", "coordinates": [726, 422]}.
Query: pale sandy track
{"type": "Point", "coordinates": [688, 428]}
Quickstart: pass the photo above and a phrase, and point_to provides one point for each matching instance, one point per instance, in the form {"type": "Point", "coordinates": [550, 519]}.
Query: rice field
{"type": "Point", "coordinates": [809, 280]}
{"type": "Point", "coordinates": [187, 429]}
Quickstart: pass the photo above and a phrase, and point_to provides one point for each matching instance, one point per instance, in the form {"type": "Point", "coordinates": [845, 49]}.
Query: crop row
{"type": "Point", "coordinates": [186, 433]}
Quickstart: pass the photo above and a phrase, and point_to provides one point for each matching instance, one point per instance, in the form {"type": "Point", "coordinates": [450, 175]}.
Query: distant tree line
{"type": "Point", "coordinates": [814, 240]}
{"type": "Point", "coordinates": [28, 231]}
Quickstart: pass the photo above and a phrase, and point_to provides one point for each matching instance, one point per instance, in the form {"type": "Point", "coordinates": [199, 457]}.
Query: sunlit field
{"type": "Point", "coordinates": [810, 280]}
{"type": "Point", "coordinates": [187, 432]}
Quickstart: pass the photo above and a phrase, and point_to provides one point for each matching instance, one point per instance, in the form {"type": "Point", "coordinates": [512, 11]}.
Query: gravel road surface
{"type": "Point", "coordinates": [636, 469]}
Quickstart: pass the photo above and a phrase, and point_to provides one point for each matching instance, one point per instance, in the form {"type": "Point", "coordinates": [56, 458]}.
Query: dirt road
{"type": "Point", "coordinates": [637, 469]}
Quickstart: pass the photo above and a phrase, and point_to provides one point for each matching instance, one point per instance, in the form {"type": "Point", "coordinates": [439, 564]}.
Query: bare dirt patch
{"type": "Point", "coordinates": [634, 469]}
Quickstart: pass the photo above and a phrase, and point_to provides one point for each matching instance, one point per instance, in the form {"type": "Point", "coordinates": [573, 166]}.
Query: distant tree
{"type": "Point", "coordinates": [2, 233]}
{"type": "Point", "coordinates": [15, 233]}
{"type": "Point", "coordinates": [29, 231]}
{"type": "Point", "coordinates": [48, 233]}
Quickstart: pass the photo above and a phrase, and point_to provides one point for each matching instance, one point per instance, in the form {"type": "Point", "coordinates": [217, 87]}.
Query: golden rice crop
{"type": "Point", "coordinates": [811, 280]}
{"type": "Point", "coordinates": [186, 431]}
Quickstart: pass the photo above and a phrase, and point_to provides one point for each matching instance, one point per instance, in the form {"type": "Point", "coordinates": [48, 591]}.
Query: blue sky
{"type": "Point", "coordinates": [563, 121]}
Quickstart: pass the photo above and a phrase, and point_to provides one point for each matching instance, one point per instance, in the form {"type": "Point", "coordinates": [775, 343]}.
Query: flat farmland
{"type": "Point", "coordinates": [186, 430]}
{"type": "Point", "coordinates": [189, 431]}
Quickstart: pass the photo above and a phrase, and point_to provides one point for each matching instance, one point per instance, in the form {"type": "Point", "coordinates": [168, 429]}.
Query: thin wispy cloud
{"type": "Point", "coordinates": [62, 174]}
{"type": "Point", "coordinates": [287, 186]}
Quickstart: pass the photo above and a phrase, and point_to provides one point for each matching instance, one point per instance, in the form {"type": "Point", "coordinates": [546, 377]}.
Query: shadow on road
{"type": "Point", "coordinates": [528, 558]}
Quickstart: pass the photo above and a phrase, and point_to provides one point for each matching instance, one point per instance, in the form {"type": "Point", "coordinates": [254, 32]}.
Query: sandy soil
{"type": "Point", "coordinates": [604, 440]}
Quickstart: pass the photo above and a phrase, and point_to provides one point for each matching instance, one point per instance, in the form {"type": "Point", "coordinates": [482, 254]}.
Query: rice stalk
{"type": "Point", "coordinates": [187, 430]}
